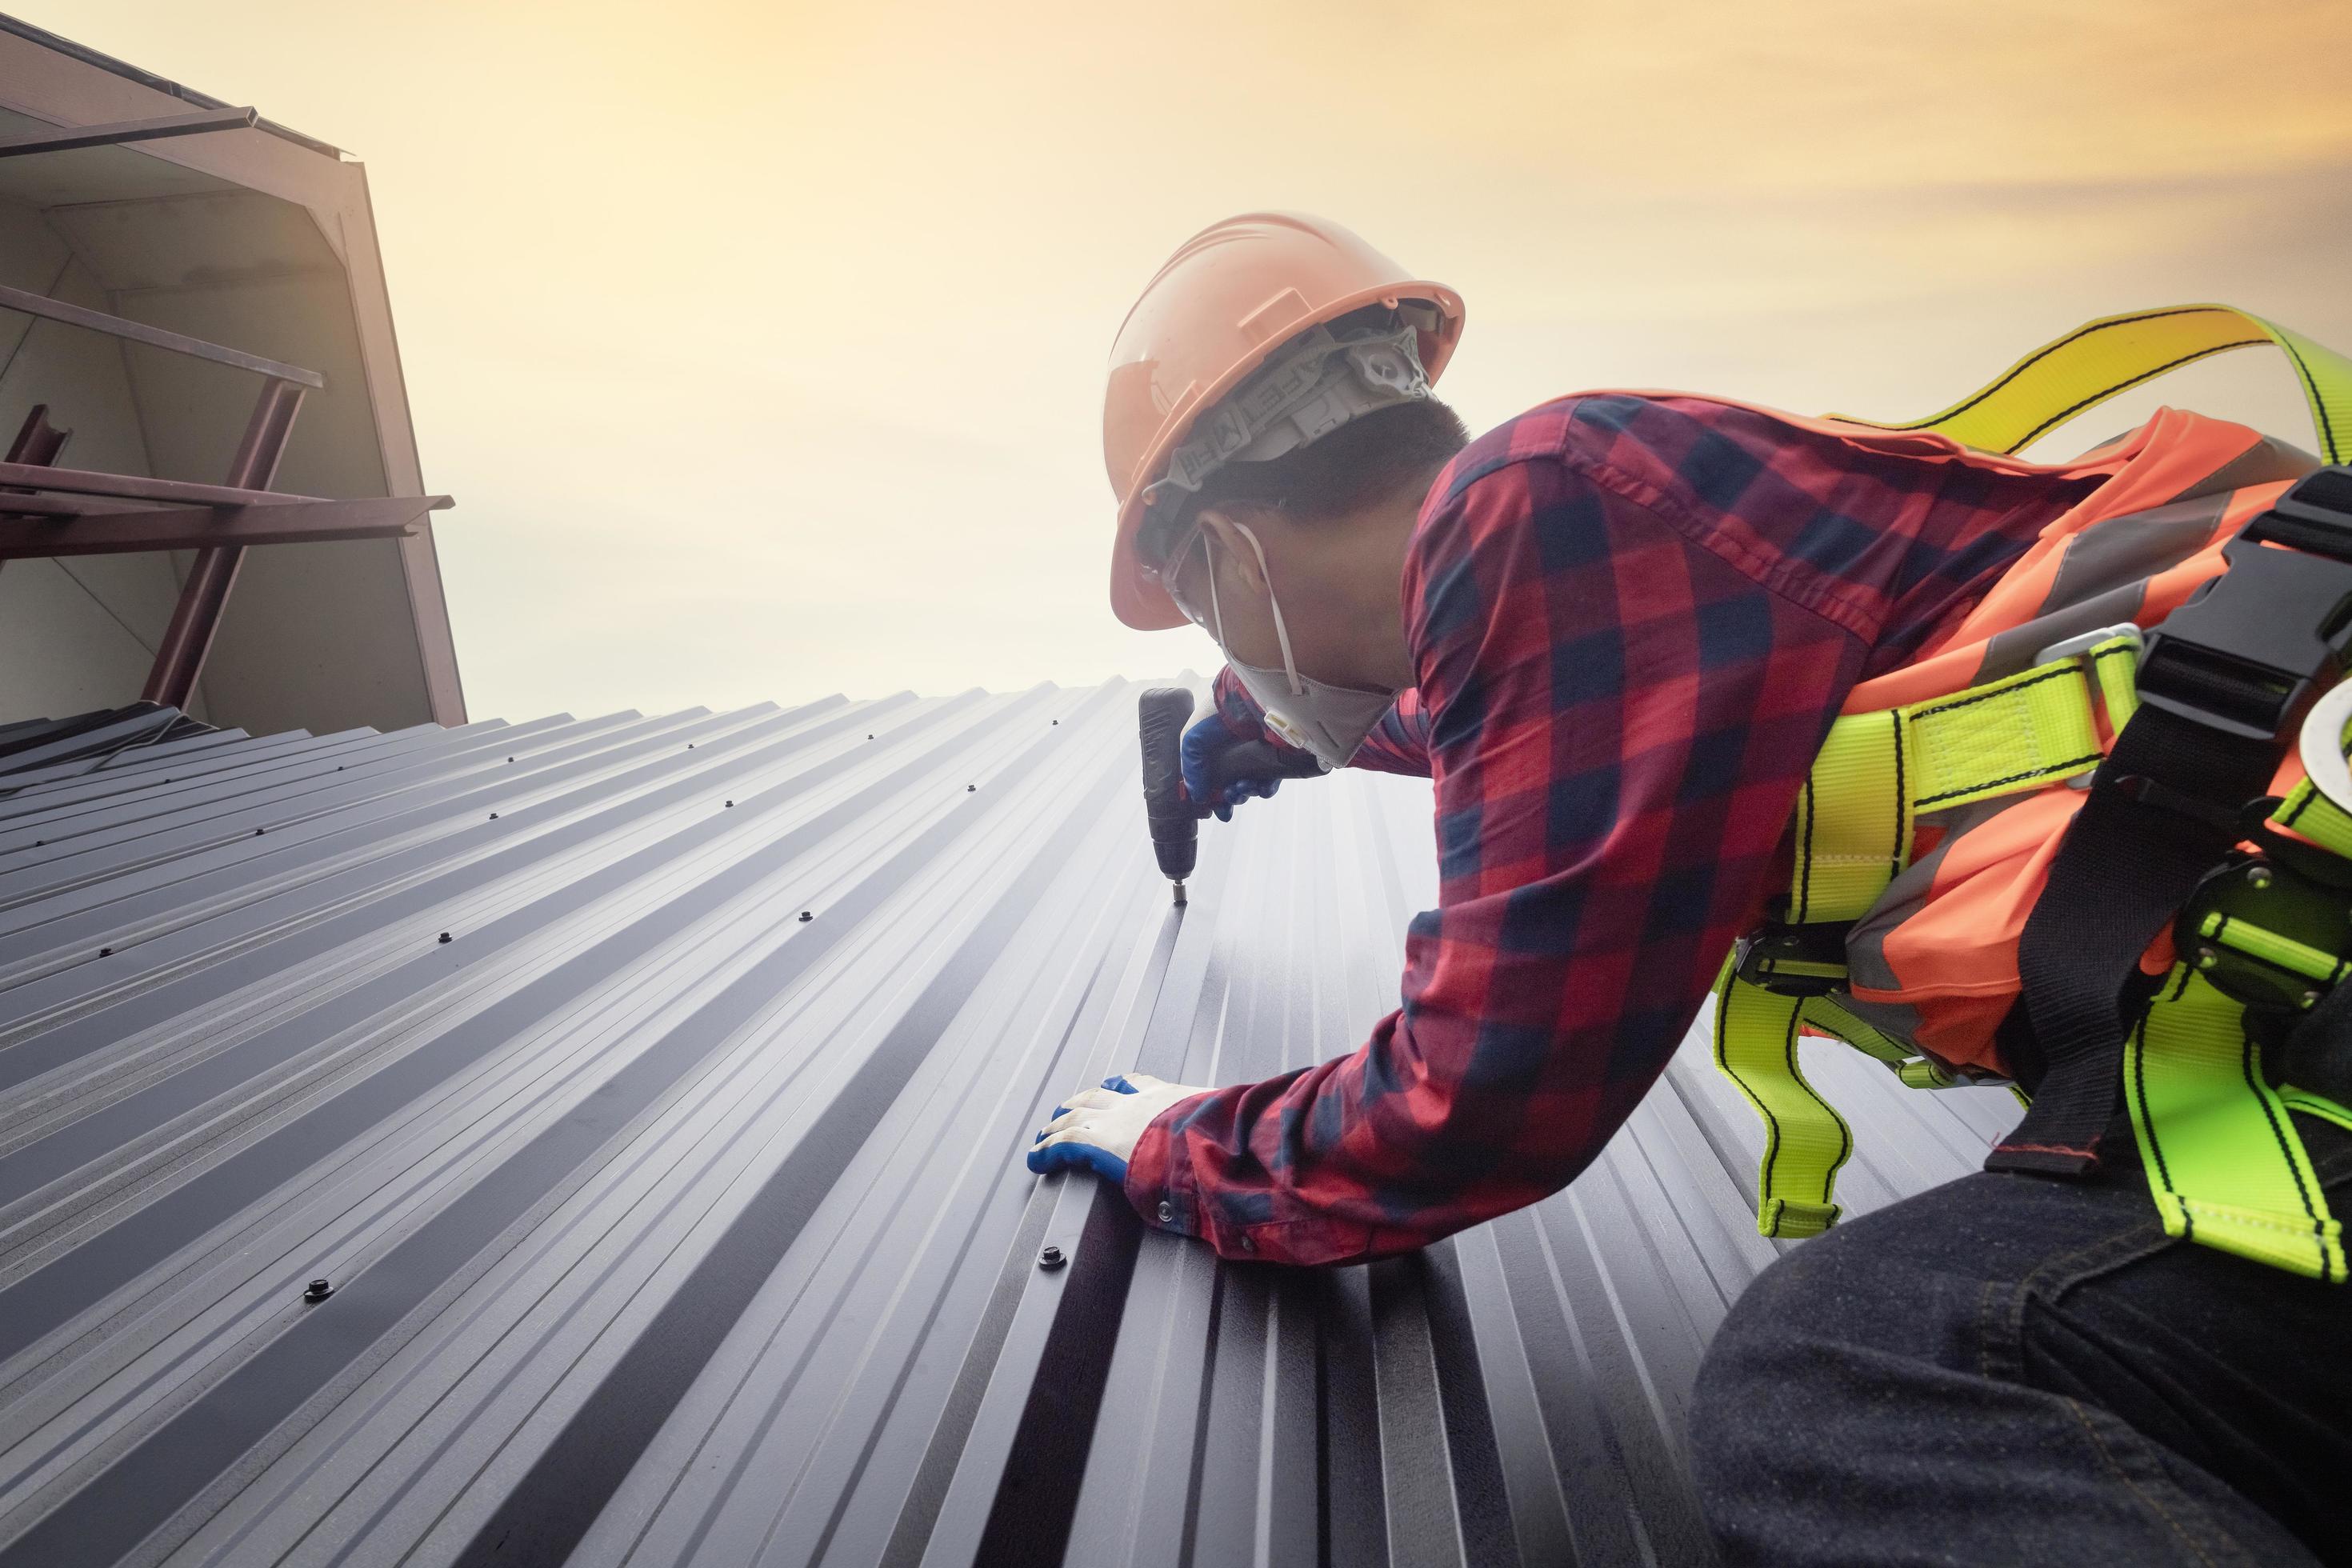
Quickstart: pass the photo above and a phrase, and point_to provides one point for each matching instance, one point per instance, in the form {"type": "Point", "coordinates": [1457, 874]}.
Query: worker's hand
{"type": "Point", "coordinates": [1208, 750]}
{"type": "Point", "coordinates": [1097, 1127]}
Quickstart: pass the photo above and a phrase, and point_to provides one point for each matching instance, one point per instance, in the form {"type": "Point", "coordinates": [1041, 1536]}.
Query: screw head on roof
{"type": "Point", "coordinates": [445, 936]}
{"type": "Point", "coordinates": [257, 832]}
{"type": "Point", "coordinates": [319, 1290]}
{"type": "Point", "coordinates": [1051, 1258]}
{"type": "Point", "coordinates": [494, 816]}
{"type": "Point", "coordinates": [869, 737]}
{"type": "Point", "coordinates": [730, 803]}
{"type": "Point", "coordinates": [969, 789]}
{"type": "Point", "coordinates": [510, 758]}
{"type": "Point", "coordinates": [806, 916]}
{"type": "Point", "coordinates": [689, 745]}
{"type": "Point", "coordinates": [106, 952]}
{"type": "Point", "coordinates": [1058, 723]}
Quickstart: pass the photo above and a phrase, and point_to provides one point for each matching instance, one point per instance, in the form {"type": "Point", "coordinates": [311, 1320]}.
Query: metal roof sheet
{"type": "Point", "coordinates": [651, 1092]}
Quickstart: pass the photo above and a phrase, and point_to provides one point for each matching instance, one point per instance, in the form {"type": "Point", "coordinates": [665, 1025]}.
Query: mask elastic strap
{"type": "Point", "coordinates": [1281, 632]}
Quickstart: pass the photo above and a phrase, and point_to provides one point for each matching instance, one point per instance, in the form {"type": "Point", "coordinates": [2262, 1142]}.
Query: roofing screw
{"type": "Point", "coordinates": [1051, 1258]}
{"type": "Point", "coordinates": [494, 816]}
{"type": "Point", "coordinates": [2258, 876]}
{"type": "Point", "coordinates": [689, 746]}
{"type": "Point", "coordinates": [445, 936]}
{"type": "Point", "coordinates": [106, 952]}
{"type": "Point", "coordinates": [806, 916]}
{"type": "Point", "coordinates": [1058, 723]}
{"type": "Point", "coordinates": [969, 789]}
{"type": "Point", "coordinates": [2207, 958]}
{"type": "Point", "coordinates": [319, 1290]}
{"type": "Point", "coordinates": [730, 803]}
{"type": "Point", "coordinates": [510, 758]}
{"type": "Point", "coordinates": [257, 832]}
{"type": "Point", "coordinates": [869, 737]}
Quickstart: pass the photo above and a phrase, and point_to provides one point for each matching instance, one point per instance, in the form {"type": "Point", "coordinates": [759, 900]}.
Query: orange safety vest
{"type": "Point", "coordinates": [1933, 964]}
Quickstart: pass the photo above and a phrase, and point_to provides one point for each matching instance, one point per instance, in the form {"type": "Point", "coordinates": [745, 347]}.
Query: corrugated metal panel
{"type": "Point", "coordinates": [651, 1092]}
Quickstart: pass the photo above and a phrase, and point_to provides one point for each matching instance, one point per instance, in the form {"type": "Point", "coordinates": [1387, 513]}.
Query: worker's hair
{"type": "Point", "coordinates": [1366, 460]}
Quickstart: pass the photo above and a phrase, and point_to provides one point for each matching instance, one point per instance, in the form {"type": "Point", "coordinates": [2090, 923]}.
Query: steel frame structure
{"type": "Point", "coordinates": [55, 512]}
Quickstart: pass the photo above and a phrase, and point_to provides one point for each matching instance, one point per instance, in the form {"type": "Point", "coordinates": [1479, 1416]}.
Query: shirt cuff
{"type": "Point", "coordinates": [1160, 1181]}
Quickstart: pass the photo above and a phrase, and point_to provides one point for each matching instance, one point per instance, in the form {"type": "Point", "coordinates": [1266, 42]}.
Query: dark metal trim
{"type": "Point", "coordinates": [66, 137]}
{"type": "Point", "coordinates": [41, 305]}
{"type": "Point", "coordinates": [46, 39]}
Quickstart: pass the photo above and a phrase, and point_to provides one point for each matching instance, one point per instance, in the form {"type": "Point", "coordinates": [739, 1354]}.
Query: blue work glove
{"type": "Point", "coordinates": [1205, 741]}
{"type": "Point", "coordinates": [1098, 1127]}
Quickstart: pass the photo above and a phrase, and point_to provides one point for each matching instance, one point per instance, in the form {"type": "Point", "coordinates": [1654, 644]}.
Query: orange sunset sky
{"type": "Point", "coordinates": [761, 344]}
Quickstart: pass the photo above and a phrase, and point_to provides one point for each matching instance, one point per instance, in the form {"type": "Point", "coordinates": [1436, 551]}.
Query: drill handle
{"type": "Point", "coordinates": [1256, 760]}
{"type": "Point", "coordinates": [1174, 821]}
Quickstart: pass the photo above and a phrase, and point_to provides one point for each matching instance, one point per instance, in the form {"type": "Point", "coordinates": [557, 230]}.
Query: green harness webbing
{"type": "Point", "coordinates": [2225, 1166]}
{"type": "Point", "coordinates": [1874, 776]}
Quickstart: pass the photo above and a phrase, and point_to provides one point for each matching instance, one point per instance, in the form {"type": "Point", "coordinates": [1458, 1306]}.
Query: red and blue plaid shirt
{"type": "Point", "coordinates": [1633, 619]}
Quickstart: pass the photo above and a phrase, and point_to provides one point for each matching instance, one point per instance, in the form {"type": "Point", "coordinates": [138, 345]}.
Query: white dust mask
{"type": "Point", "coordinates": [1330, 721]}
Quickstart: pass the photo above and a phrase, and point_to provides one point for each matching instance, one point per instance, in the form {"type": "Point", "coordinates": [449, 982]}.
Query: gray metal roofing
{"type": "Point", "coordinates": [667, 1223]}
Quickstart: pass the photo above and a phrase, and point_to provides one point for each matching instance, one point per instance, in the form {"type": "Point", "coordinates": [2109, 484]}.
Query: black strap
{"type": "Point", "coordinates": [2163, 810]}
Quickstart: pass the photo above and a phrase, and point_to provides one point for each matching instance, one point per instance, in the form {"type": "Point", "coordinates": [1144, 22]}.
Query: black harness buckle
{"type": "Point", "coordinates": [1795, 960]}
{"type": "Point", "coordinates": [2249, 651]}
{"type": "Point", "coordinates": [2271, 895]}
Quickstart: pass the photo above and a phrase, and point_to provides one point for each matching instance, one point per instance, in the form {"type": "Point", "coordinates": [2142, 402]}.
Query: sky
{"type": "Point", "coordinates": [762, 345]}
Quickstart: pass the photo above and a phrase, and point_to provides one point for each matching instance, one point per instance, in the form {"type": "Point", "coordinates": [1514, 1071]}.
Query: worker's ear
{"type": "Point", "coordinates": [1233, 553]}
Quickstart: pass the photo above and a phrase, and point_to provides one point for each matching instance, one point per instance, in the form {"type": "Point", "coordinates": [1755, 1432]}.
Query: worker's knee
{"type": "Point", "coordinates": [1833, 1328]}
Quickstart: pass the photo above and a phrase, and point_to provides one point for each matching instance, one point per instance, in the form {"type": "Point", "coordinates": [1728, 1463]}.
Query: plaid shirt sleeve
{"type": "Point", "coordinates": [1634, 620]}
{"type": "Point", "coordinates": [1399, 743]}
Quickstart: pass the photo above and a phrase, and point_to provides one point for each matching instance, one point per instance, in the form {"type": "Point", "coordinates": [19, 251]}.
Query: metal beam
{"type": "Point", "coordinates": [66, 138]}
{"type": "Point", "coordinates": [188, 636]}
{"type": "Point", "coordinates": [207, 528]}
{"type": "Point", "coordinates": [136, 486]}
{"type": "Point", "coordinates": [49, 310]}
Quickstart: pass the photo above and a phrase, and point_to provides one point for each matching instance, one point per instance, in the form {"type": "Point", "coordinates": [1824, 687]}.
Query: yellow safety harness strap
{"type": "Point", "coordinates": [2094, 362]}
{"type": "Point", "coordinates": [1874, 774]}
{"type": "Point", "coordinates": [2224, 1164]}
{"type": "Point", "coordinates": [1805, 1140]}
{"type": "Point", "coordinates": [2318, 1105]}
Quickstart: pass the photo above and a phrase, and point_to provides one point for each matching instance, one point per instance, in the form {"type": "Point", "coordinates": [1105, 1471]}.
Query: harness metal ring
{"type": "Point", "coordinates": [2321, 746]}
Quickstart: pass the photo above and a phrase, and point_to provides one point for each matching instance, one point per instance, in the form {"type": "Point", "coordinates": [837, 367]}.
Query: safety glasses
{"type": "Point", "coordinates": [1169, 573]}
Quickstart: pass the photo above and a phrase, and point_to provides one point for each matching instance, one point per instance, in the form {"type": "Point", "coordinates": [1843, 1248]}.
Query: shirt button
{"type": "Point", "coordinates": [1167, 1212]}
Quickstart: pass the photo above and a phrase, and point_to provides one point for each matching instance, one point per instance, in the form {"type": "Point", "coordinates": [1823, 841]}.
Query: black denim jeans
{"type": "Point", "coordinates": [2015, 1369]}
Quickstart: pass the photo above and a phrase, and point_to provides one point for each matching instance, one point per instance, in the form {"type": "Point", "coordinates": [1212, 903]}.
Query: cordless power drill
{"type": "Point", "coordinates": [1174, 816]}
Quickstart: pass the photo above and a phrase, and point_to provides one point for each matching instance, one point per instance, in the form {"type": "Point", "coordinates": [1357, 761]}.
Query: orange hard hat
{"type": "Point", "coordinates": [1230, 296]}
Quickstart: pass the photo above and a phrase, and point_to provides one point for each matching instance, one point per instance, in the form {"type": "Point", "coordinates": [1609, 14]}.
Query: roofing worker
{"type": "Point", "coordinates": [1690, 675]}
